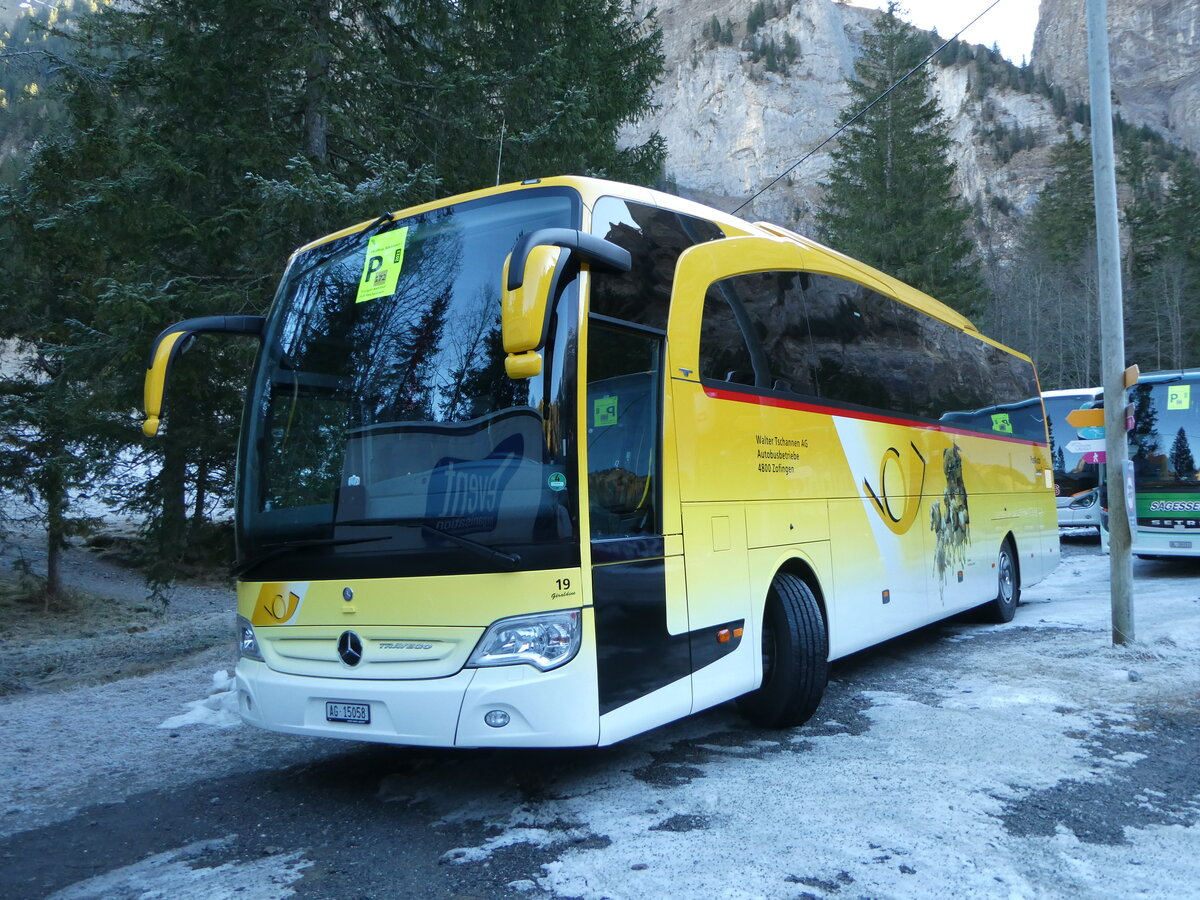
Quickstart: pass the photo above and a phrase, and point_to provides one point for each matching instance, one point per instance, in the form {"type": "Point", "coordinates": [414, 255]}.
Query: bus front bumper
{"type": "Point", "coordinates": [543, 709]}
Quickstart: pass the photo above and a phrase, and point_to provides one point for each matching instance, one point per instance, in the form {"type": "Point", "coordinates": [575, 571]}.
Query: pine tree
{"type": "Point", "coordinates": [890, 198]}
{"type": "Point", "coordinates": [1143, 208]}
{"type": "Point", "coordinates": [1063, 224]}
{"type": "Point", "coordinates": [1182, 461]}
{"type": "Point", "coordinates": [207, 138]}
{"type": "Point", "coordinates": [1180, 220]}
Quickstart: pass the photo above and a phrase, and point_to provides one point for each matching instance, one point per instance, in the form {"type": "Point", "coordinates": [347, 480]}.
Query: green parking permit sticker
{"type": "Point", "coordinates": [1002, 423]}
{"type": "Point", "coordinates": [1179, 396]}
{"type": "Point", "coordinates": [604, 411]}
{"type": "Point", "coordinates": [557, 481]}
{"type": "Point", "coordinates": [381, 268]}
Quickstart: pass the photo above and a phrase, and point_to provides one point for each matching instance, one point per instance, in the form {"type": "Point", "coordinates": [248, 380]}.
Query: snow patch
{"type": "Point", "coordinates": [181, 873]}
{"type": "Point", "coordinates": [219, 708]}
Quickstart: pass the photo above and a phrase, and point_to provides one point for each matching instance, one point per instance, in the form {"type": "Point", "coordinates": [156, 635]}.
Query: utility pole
{"type": "Point", "coordinates": [1112, 323]}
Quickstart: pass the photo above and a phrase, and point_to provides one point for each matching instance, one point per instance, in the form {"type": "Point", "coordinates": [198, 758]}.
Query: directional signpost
{"type": "Point", "coordinates": [1090, 425]}
{"type": "Point", "coordinates": [1097, 445]}
{"type": "Point", "coordinates": [1086, 418]}
{"type": "Point", "coordinates": [1112, 314]}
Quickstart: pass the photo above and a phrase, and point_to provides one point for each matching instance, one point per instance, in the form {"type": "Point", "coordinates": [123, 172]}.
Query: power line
{"type": "Point", "coordinates": [858, 114]}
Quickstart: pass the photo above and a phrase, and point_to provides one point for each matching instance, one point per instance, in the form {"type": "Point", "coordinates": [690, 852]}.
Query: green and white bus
{"type": "Point", "coordinates": [1163, 445]}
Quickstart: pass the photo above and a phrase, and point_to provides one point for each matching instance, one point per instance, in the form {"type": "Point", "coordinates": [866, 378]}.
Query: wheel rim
{"type": "Point", "coordinates": [1007, 579]}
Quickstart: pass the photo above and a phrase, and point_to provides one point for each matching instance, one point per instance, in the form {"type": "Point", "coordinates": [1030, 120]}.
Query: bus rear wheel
{"type": "Point", "coordinates": [1008, 588]}
{"type": "Point", "coordinates": [795, 662]}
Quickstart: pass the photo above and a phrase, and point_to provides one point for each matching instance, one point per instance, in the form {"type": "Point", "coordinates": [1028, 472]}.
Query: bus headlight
{"type": "Point", "coordinates": [1085, 501]}
{"type": "Point", "coordinates": [545, 641]}
{"type": "Point", "coordinates": [247, 642]}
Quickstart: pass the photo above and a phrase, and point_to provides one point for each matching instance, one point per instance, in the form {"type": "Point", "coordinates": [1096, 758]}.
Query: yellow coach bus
{"type": "Point", "coordinates": [558, 462]}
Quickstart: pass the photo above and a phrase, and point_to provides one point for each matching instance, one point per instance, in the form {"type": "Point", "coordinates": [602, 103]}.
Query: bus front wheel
{"type": "Point", "coordinates": [795, 662]}
{"type": "Point", "coordinates": [1008, 588]}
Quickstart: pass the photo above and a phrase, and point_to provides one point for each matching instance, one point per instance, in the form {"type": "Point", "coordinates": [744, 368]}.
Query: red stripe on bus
{"type": "Point", "coordinates": [780, 403]}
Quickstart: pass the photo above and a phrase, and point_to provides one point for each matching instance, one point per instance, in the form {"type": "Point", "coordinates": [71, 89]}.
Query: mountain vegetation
{"type": "Point", "coordinates": [200, 141]}
{"type": "Point", "coordinates": [890, 199]}
{"type": "Point", "coordinates": [160, 159]}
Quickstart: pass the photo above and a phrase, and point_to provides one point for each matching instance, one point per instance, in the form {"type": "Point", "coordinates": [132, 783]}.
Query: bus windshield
{"type": "Point", "coordinates": [1165, 437]}
{"type": "Point", "coordinates": [382, 436]}
{"type": "Point", "coordinates": [1073, 474]}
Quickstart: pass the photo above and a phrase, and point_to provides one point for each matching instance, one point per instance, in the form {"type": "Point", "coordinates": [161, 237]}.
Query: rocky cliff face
{"type": "Point", "coordinates": [732, 125]}
{"type": "Point", "coordinates": [1154, 50]}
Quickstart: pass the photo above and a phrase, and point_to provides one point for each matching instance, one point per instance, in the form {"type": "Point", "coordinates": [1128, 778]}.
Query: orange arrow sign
{"type": "Point", "coordinates": [1085, 418]}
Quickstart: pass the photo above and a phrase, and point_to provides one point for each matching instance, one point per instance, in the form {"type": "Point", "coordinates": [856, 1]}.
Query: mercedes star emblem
{"type": "Point", "coordinates": [350, 648]}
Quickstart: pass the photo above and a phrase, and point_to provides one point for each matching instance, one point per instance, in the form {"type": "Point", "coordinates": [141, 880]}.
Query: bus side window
{"type": "Point", "coordinates": [724, 354]}
{"type": "Point", "coordinates": [622, 431]}
{"type": "Point", "coordinates": [755, 332]}
{"type": "Point", "coordinates": [654, 238]}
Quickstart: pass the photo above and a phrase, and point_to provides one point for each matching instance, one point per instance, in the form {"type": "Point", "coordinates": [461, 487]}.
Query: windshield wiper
{"type": "Point", "coordinates": [509, 559]}
{"type": "Point", "coordinates": [273, 550]}
{"type": "Point", "coordinates": [350, 243]}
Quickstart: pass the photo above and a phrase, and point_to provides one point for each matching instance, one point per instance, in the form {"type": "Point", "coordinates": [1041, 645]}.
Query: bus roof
{"type": "Point", "coordinates": [592, 189]}
{"type": "Point", "coordinates": [1166, 375]}
{"type": "Point", "coordinates": [1072, 392]}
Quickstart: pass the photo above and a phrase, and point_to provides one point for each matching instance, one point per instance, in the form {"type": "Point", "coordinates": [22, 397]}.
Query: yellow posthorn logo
{"type": "Point", "coordinates": [278, 603]}
{"type": "Point", "coordinates": [900, 485]}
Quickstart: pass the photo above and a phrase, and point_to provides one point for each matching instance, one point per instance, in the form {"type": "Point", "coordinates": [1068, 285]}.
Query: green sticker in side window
{"type": "Point", "coordinates": [1179, 396]}
{"type": "Point", "coordinates": [604, 412]}
{"type": "Point", "coordinates": [381, 268]}
{"type": "Point", "coordinates": [1002, 423]}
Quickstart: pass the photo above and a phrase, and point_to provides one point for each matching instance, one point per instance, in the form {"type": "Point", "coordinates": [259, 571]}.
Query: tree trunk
{"type": "Point", "coordinates": [53, 488]}
{"type": "Point", "coordinates": [316, 124]}
{"type": "Point", "coordinates": [173, 521]}
{"type": "Point", "coordinates": [203, 467]}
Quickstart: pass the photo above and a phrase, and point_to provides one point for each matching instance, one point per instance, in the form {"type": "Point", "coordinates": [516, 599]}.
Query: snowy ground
{"type": "Point", "coordinates": [1032, 760]}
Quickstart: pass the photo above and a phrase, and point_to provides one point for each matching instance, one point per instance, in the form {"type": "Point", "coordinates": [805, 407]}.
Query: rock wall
{"type": "Point", "coordinates": [731, 126]}
{"type": "Point", "coordinates": [1154, 50]}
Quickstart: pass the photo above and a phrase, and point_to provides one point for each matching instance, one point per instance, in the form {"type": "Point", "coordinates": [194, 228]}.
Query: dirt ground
{"type": "Point", "coordinates": [106, 627]}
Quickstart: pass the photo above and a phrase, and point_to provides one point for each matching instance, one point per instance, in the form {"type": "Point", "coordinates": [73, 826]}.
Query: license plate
{"type": "Point", "coordinates": [355, 713]}
{"type": "Point", "coordinates": [1181, 545]}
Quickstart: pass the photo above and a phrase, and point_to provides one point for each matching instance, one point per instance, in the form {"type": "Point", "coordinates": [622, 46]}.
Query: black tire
{"type": "Point", "coordinates": [1008, 588]}
{"type": "Point", "coordinates": [795, 651]}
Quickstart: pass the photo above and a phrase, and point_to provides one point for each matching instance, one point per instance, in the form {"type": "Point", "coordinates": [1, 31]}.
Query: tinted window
{"type": "Point", "coordinates": [1165, 441]}
{"type": "Point", "coordinates": [1071, 473]}
{"type": "Point", "coordinates": [382, 430]}
{"type": "Point", "coordinates": [825, 337]}
{"type": "Point", "coordinates": [622, 430]}
{"type": "Point", "coordinates": [654, 238]}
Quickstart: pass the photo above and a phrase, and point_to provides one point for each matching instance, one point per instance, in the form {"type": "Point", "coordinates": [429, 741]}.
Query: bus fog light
{"type": "Point", "coordinates": [247, 641]}
{"type": "Point", "coordinates": [496, 718]}
{"type": "Point", "coordinates": [544, 641]}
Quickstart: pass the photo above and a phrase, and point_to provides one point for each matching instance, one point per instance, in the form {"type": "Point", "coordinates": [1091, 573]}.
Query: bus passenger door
{"type": "Point", "coordinates": [640, 604]}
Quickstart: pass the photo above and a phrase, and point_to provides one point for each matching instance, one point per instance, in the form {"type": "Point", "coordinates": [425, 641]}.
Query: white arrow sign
{"type": "Point", "coordinates": [1086, 446]}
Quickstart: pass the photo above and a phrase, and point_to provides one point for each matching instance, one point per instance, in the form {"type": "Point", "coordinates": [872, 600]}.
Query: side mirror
{"type": "Point", "coordinates": [174, 340]}
{"type": "Point", "coordinates": [530, 277]}
{"type": "Point", "coordinates": [523, 319]}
